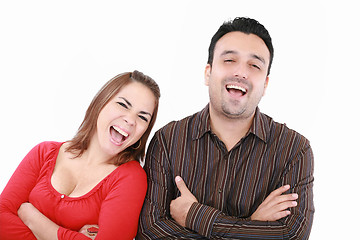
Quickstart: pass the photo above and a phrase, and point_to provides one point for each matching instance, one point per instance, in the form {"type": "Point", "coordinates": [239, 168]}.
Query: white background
{"type": "Point", "coordinates": [55, 55]}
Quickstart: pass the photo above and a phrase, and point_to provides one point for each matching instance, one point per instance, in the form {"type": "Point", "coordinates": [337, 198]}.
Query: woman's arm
{"type": "Point", "coordinates": [42, 227]}
{"type": "Point", "coordinates": [16, 214]}
{"type": "Point", "coordinates": [119, 213]}
{"type": "Point", "coordinates": [17, 192]}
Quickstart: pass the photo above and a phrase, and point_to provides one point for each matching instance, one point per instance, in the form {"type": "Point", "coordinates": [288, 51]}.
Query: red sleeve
{"type": "Point", "coordinates": [120, 210]}
{"type": "Point", "coordinates": [17, 192]}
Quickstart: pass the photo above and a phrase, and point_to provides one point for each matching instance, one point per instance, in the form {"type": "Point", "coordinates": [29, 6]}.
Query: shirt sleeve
{"type": "Point", "coordinates": [120, 210]}
{"type": "Point", "coordinates": [212, 223]}
{"type": "Point", "coordinates": [155, 220]}
{"type": "Point", "coordinates": [17, 192]}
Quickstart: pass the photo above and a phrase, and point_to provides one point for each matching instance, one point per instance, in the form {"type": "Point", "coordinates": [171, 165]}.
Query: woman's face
{"type": "Point", "coordinates": [125, 118]}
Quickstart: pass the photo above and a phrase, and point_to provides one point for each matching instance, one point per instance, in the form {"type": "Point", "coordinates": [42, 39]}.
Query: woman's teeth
{"type": "Point", "coordinates": [121, 131]}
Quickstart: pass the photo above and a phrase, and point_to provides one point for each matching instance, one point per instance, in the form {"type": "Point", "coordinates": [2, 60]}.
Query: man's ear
{"type": "Point", "coordinates": [207, 74]}
{"type": "Point", "coordinates": [266, 84]}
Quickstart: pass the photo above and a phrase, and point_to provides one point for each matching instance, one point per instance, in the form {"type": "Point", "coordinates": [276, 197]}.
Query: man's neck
{"type": "Point", "coordinates": [230, 130]}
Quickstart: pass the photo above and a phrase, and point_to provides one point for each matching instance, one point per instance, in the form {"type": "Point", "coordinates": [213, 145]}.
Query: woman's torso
{"type": "Point", "coordinates": [68, 195]}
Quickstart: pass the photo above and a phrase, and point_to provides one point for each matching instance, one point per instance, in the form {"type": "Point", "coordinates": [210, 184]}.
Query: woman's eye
{"type": "Point", "coordinates": [143, 118]}
{"type": "Point", "coordinates": [123, 105]}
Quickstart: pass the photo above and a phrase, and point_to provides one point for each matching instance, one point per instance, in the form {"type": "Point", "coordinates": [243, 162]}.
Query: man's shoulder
{"type": "Point", "coordinates": [175, 133]}
{"type": "Point", "coordinates": [187, 123]}
{"type": "Point", "coordinates": [283, 134]}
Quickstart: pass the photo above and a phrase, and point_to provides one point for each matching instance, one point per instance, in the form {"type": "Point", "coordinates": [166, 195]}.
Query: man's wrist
{"type": "Point", "coordinates": [201, 218]}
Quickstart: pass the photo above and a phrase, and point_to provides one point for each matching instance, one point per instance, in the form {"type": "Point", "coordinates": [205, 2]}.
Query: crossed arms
{"type": "Point", "coordinates": [272, 209]}
{"type": "Point", "coordinates": [286, 213]}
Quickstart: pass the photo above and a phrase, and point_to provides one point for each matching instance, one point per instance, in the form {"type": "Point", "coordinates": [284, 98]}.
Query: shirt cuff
{"type": "Point", "coordinates": [201, 218]}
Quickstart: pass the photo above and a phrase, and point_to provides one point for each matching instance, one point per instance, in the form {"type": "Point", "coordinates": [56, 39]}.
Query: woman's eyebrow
{"type": "Point", "coordinates": [127, 102]}
{"type": "Point", "coordinates": [146, 113]}
{"type": "Point", "coordinates": [141, 112]}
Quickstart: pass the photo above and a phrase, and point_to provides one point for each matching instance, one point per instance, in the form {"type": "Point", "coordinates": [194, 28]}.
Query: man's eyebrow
{"type": "Point", "coordinates": [225, 52]}
{"type": "Point", "coordinates": [261, 59]}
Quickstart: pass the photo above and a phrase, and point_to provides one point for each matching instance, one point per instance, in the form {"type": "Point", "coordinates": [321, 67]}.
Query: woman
{"type": "Point", "coordinates": [91, 186]}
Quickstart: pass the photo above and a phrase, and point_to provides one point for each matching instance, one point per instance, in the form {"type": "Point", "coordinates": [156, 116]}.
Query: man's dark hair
{"type": "Point", "coordinates": [245, 25]}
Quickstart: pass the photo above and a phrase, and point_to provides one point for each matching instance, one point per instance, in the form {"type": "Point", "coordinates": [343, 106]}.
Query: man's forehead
{"type": "Point", "coordinates": [239, 42]}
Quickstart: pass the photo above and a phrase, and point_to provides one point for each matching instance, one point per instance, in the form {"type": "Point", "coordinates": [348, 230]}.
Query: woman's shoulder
{"type": "Point", "coordinates": [48, 145]}
{"type": "Point", "coordinates": [132, 167]}
{"type": "Point", "coordinates": [127, 177]}
{"type": "Point", "coordinates": [130, 172]}
{"type": "Point", "coordinates": [45, 150]}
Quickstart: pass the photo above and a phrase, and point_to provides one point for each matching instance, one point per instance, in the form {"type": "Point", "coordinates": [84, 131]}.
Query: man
{"type": "Point", "coordinates": [230, 171]}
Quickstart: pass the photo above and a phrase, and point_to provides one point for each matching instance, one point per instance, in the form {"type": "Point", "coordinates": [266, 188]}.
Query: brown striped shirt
{"type": "Point", "coordinates": [229, 185]}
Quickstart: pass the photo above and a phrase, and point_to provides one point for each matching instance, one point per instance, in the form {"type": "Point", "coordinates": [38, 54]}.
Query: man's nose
{"type": "Point", "coordinates": [241, 71]}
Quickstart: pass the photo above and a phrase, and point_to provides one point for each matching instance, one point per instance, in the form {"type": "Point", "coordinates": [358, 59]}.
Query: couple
{"type": "Point", "coordinates": [226, 172]}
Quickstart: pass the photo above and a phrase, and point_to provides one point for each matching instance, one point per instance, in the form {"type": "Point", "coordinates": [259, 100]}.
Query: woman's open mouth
{"type": "Point", "coordinates": [118, 135]}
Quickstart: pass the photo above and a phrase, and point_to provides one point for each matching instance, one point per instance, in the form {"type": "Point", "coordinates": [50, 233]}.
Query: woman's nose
{"type": "Point", "coordinates": [130, 119]}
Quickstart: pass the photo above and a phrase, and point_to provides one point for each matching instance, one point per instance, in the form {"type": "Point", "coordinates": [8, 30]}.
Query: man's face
{"type": "Point", "coordinates": [237, 79]}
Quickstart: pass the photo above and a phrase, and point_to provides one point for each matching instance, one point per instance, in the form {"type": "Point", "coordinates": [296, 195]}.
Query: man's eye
{"type": "Point", "coordinates": [123, 105]}
{"type": "Point", "coordinates": [228, 60]}
{"type": "Point", "coordinates": [255, 66]}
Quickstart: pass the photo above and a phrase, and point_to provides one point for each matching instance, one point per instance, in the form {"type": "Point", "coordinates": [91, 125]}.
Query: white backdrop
{"type": "Point", "coordinates": [55, 55]}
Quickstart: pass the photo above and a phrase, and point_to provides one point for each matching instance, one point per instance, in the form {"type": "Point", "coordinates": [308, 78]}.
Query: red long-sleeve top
{"type": "Point", "coordinates": [114, 204]}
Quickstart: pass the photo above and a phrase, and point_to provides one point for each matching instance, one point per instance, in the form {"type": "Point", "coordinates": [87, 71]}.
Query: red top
{"type": "Point", "coordinates": [114, 204]}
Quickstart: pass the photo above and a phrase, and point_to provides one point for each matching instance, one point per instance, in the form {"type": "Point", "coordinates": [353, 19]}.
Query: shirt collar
{"type": "Point", "coordinates": [260, 126]}
{"type": "Point", "coordinates": [202, 123]}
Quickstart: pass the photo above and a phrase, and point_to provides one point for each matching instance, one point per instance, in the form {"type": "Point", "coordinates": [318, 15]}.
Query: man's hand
{"type": "Point", "coordinates": [275, 205]}
{"type": "Point", "coordinates": [180, 206]}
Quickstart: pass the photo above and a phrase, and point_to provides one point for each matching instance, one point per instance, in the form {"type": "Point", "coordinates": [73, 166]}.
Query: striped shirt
{"type": "Point", "coordinates": [229, 185]}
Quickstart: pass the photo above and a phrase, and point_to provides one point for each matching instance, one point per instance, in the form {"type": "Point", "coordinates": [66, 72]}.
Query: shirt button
{"type": "Point", "coordinates": [62, 196]}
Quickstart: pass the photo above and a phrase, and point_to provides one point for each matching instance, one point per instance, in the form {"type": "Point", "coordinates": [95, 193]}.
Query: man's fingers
{"type": "Point", "coordinates": [281, 214]}
{"type": "Point", "coordinates": [181, 185]}
{"type": "Point", "coordinates": [280, 190]}
{"type": "Point", "coordinates": [277, 192]}
{"type": "Point", "coordinates": [276, 205]}
{"type": "Point", "coordinates": [180, 206]}
{"type": "Point", "coordinates": [277, 197]}
{"type": "Point", "coordinates": [286, 198]}
{"type": "Point", "coordinates": [284, 205]}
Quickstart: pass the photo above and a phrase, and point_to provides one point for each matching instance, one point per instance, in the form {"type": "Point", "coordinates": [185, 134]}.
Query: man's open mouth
{"type": "Point", "coordinates": [235, 89]}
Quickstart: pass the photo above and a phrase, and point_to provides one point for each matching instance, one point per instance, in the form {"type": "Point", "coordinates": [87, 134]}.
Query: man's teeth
{"type": "Point", "coordinates": [120, 131]}
{"type": "Point", "coordinates": [236, 87]}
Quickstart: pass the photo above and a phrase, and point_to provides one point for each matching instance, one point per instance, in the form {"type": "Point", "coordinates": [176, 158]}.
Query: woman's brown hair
{"type": "Point", "coordinates": [81, 140]}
